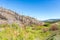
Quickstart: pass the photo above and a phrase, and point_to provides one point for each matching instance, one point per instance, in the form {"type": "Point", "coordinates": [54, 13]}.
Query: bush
{"type": "Point", "coordinates": [54, 27]}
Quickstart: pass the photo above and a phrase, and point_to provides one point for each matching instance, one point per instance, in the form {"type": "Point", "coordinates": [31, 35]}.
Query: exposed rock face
{"type": "Point", "coordinates": [11, 17]}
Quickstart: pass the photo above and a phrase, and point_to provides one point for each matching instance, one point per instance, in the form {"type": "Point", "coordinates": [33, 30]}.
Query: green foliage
{"type": "Point", "coordinates": [15, 32]}
{"type": "Point", "coordinates": [14, 25]}
{"type": "Point", "coordinates": [4, 25]}
{"type": "Point", "coordinates": [47, 24]}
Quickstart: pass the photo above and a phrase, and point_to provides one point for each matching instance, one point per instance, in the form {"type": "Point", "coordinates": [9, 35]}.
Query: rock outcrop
{"type": "Point", "coordinates": [8, 16]}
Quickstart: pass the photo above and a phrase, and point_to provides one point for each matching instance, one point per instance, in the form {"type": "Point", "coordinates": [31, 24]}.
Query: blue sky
{"type": "Point", "coordinates": [40, 9]}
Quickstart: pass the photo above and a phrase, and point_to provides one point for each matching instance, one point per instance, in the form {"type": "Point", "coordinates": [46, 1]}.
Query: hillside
{"type": "Point", "coordinates": [19, 27]}
{"type": "Point", "coordinates": [9, 16]}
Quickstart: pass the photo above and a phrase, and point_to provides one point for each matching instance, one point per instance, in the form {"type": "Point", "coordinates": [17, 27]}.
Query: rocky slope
{"type": "Point", "coordinates": [8, 16]}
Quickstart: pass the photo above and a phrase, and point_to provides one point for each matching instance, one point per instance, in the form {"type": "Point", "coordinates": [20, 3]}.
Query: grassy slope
{"type": "Point", "coordinates": [14, 32]}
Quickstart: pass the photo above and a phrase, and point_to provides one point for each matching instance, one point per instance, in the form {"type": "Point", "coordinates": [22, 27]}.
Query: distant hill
{"type": "Point", "coordinates": [9, 16]}
{"type": "Point", "coordinates": [52, 20]}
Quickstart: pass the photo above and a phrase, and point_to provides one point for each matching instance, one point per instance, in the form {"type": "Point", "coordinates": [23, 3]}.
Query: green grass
{"type": "Point", "coordinates": [15, 32]}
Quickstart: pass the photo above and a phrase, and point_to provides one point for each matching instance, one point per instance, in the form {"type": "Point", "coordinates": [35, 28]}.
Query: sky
{"type": "Point", "coordinates": [39, 9]}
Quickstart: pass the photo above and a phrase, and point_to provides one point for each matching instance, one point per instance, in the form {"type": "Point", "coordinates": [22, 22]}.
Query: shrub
{"type": "Point", "coordinates": [54, 27]}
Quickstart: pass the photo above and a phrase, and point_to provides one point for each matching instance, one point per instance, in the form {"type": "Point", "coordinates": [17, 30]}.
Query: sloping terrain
{"type": "Point", "coordinates": [11, 27]}
{"type": "Point", "coordinates": [12, 17]}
